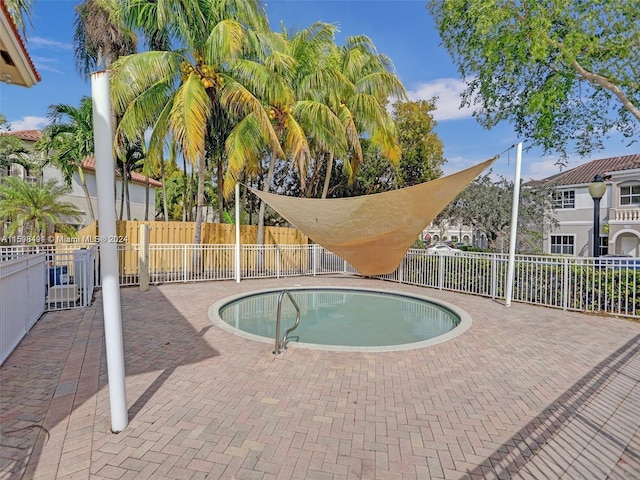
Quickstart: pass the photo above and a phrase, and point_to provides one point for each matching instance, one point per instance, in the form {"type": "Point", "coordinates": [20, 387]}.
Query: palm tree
{"type": "Point", "coordinates": [70, 138]}
{"type": "Point", "coordinates": [368, 81]}
{"type": "Point", "coordinates": [12, 149]}
{"type": "Point", "coordinates": [133, 160]}
{"type": "Point", "coordinates": [100, 35]}
{"type": "Point", "coordinates": [297, 117]}
{"type": "Point", "coordinates": [184, 93]}
{"type": "Point", "coordinates": [35, 210]}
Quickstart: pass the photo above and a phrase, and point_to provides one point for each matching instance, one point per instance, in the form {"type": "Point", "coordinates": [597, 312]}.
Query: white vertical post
{"type": "Point", "coordinates": [143, 257]}
{"type": "Point", "coordinates": [237, 252]}
{"type": "Point", "coordinates": [514, 227]}
{"type": "Point", "coordinates": [105, 180]}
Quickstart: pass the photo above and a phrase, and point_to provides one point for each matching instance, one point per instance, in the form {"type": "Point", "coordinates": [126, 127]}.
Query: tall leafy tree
{"type": "Point", "coordinates": [486, 205]}
{"type": "Point", "coordinates": [422, 150]}
{"type": "Point", "coordinates": [564, 72]}
{"type": "Point", "coordinates": [210, 77]}
{"type": "Point", "coordinates": [34, 210]}
{"type": "Point", "coordinates": [69, 140]}
{"type": "Point", "coordinates": [421, 159]}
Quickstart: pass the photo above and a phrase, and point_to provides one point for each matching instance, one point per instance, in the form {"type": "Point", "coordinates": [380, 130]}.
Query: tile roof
{"type": "Point", "coordinates": [26, 135]}
{"type": "Point", "coordinates": [88, 164]}
{"type": "Point", "coordinates": [586, 172]}
{"type": "Point", "coordinates": [19, 40]}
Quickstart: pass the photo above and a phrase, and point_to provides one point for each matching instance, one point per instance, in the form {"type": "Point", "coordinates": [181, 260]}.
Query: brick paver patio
{"type": "Point", "coordinates": [526, 392]}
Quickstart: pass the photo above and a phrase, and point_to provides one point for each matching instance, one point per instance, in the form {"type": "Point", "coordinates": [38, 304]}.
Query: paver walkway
{"type": "Point", "coordinates": [526, 392]}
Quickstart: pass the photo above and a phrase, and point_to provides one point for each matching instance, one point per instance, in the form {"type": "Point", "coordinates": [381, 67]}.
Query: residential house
{"type": "Point", "coordinates": [454, 232]}
{"type": "Point", "coordinates": [140, 196]}
{"type": "Point", "coordinates": [619, 225]}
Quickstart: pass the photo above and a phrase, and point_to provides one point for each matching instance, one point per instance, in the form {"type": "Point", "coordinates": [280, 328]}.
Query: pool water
{"type": "Point", "coordinates": [342, 317]}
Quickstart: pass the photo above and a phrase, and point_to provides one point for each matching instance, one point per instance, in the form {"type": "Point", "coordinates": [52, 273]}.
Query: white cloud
{"type": "Point", "coordinates": [48, 64]}
{"type": "Point", "coordinates": [448, 91]}
{"type": "Point", "coordinates": [30, 123]}
{"type": "Point", "coordinates": [47, 43]}
{"type": "Point", "coordinates": [542, 169]}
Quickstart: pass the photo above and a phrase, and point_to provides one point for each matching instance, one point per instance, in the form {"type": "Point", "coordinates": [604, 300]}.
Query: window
{"type": "Point", "coordinates": [562, 244]}
{"type": "Point", "coordinates": [565, 199]}
{"type": "Point", "coordinates": [630, 195]}
{"type": "Point", "coordinates": [604, 245]}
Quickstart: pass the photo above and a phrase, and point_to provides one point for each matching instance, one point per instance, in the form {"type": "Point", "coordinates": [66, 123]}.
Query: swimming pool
{"type": "Point", "coordinates": [347, 319]}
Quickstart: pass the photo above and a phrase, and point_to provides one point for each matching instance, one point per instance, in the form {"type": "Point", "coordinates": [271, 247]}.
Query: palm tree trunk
{"type": "Point", "coordinates": [312, 184]}
{"type": "Point", "coordinates": [263, 206]}
{"type": "Point", "coordinates": [201, 199]}
{"type": "Point", "coordinates": [87, 197]}
{"type": "Point", "coordinates": [126, 186]}
{"type": "Point", "coordinates": [146, 200]}
{"type": "Point", "coordinates": [185, 200]}
{"type": "Point", "coordinates": [220, 189]}
{"type": "Point", "coordinates": [121, 197]}
{"type": "Point", "coordinates": [165, 208]}
{"type": "Point", "coordinates": [192, 197]}
{"type": "Point", "coordinates": [327, 177]}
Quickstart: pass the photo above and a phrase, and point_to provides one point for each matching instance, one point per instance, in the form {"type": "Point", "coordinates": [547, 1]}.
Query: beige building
{"type": "Point", "coordinates": [619, 226]}
{"type": "Point", "coordinates": [140, 196]}
{"type": "Point", "coordinates": [455, 233]}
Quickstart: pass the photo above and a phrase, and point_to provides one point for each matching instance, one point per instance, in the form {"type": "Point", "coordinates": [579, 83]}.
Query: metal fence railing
{"type": "Point", "coordinates": [69, 273]}
{"type": "Point", "coordinates": [601, 285]}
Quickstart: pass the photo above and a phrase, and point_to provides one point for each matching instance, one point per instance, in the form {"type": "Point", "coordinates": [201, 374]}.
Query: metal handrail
{"type": "Point", "coordinates": [280, 345]}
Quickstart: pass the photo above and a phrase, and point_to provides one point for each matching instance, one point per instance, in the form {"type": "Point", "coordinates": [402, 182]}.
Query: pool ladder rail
{"type": "Point", "coordinates": [282, 345]}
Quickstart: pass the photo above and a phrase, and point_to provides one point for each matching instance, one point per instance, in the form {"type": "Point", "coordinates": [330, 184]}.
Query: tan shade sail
{"type": "Point", "coordinates": [372, 232]}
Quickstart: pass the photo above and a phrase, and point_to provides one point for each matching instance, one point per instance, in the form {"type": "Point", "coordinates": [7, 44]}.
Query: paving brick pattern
{"type": "Point", "coordinates": [526, 393]}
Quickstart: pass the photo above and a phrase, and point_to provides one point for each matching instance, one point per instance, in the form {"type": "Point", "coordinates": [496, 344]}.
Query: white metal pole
{"type": "Point", "coordinates": [237, 253]}
{"type": "Point", "coordinates": [105, 180]}
{"type": "Point", "coordinates": [514, 226]}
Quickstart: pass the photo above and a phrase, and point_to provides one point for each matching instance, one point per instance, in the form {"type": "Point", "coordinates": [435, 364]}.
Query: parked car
{"type": "Point", "coordinates": [443, 248]}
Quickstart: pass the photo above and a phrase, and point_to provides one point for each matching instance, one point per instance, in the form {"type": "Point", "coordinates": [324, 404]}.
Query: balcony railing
{"type": "Point", "coordinates": [625, 215]}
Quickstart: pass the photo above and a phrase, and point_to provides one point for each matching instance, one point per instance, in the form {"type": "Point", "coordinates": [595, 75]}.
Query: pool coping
{"type": "Point", "coordinates": [463, 326]}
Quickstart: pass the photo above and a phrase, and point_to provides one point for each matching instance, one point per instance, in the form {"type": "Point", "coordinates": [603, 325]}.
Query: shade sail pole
{"type": "Point", "coordinates": [109, 278]}
{"type": "Point", "coordinates": [237, 250]}
{"type": "Point", "coordinates": [514, 226]}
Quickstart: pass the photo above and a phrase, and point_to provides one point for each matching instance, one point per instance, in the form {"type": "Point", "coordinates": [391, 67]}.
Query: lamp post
{"type": "Point", "coordinates": [597, 188]}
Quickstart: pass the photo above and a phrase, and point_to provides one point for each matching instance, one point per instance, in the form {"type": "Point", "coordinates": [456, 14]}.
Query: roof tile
{"type": "Point", "coordinates": [18, 37]}
{"type": "Point", "coordinates": [586, 172]}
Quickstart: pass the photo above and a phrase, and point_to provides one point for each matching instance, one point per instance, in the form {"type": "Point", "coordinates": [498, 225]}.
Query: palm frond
{"type": "Point", "coordinates": [321, 124]}
{"type": "Point", "coordinates": [244, 146]}
{"type": "Point", "coordinates": [132, 75]}
{"type": "Point", "coordinates": [240, 102]}
{"type": "Point", "coordinates": [225, 42]}
{"type": "Point", "coordinates": [381, 84]}
{"type": "Point", "coordinates": [159, 133]}
{"type": "Point", "coordinates": [296, 144]}
{"type": "Point", "coordinates": [189, 115]}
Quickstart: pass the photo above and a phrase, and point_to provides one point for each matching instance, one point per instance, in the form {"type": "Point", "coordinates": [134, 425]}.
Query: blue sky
{"type": "Point", "coordinates": [402, 29]}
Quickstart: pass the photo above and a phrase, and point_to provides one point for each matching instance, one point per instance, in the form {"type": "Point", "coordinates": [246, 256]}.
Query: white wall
{"type": "Point", "coordinates": [77, 198]}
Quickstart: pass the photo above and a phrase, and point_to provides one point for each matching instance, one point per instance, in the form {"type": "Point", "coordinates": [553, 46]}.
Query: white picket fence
{"type": "Point", "coordinates": [65, 277]}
